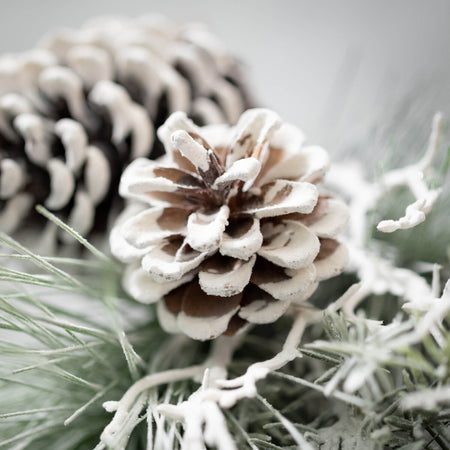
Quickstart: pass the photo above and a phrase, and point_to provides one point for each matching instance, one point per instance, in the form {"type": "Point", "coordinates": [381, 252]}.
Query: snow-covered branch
{"type": "Point", "coordinates": [365, 195]}
{"type": "Point", "coordinates": [378, 274]}
{"type": "Point", "coordinates": [203, 406]}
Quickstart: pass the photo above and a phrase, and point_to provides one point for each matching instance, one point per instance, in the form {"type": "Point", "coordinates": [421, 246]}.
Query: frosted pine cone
{"type": "Point", "coordinates": [229, 227]}
{"type": "Point", "coordinates": [77, 110]}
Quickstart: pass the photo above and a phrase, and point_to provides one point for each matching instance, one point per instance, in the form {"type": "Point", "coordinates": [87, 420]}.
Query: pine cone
{"type": "Point", "coordinates": [77, 110]}
{"type": "Point", "coordinates": [229, 226]}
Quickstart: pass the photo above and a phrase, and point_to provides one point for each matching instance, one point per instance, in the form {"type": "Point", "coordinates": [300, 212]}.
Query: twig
{"type": "Point", "coordinates": [214, 364]}
{"type": "Point", "coordinates": [123, 406]}
{"type": "Point", "coordinates": [414, 178]}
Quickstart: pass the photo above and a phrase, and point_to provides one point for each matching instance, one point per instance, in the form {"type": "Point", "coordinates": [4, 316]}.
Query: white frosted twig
{"type": "Point", "coordinates": [120, 438]}
{"type": "Point", "coordinates": [204, 423]}
{"type": "Point", "coordinates": [414, 178]}
{"type": "Point", "coordinates": [385, 343]}
{"type": "Point", "coordinates": [245, 385]}
{"type": "Point", "coordinates": [415, 214]}
{"type": "Point", "coordinates": [215, 366]}
{"type": "Point", "coordinates": [377, 274]}
{"type": "Point", "coordinates": [163, 439]}
{"type": "Point", "coordinates": [123, 406]}
{"type": "Point", "coordinates": [365, 195]}
{"type": "Point", "coordinates": [380, 276]}
{"type": "Point", "coordinates": [219, 359]}
{"type": "Point", "coordinates": [203, 419]}
{"type": "Point", "coordinates": [202, 409]}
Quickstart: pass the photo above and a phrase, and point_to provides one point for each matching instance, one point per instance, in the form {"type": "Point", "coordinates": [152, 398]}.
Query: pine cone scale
{"type": "Point", "coordinates": [149, 227]}
{"type": "Point", "coordinates": [190, 306]}
{"type": "Point", "coordinates": [225, 283]}
{"type": "Point", "coordinates": [204, 231]}
{"type": "Point", "coordinates": [330, 260]}
{"type": "Point", "coordinates": [166, 266]}
{"type": "Point", "coordinates": [243, 242]}
{"type": "Point", "coordinates": [260, 307]}
{"type": "Point", "coordinates": [294, 247]}
{"type": "Point", "coordinates": [283, 197]}
{"type": "Point", "coordinates": [150, 180]}
{"type": "Point", "coordinates": [294, 285]}
{"type": "Point", "coordinates": [197, 303]}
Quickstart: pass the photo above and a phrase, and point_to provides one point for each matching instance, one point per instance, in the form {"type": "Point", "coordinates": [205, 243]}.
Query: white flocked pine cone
{"type": "Point", "coordinates": [229, 226]}
{"type": "Point", "coordinates": [77, 109]}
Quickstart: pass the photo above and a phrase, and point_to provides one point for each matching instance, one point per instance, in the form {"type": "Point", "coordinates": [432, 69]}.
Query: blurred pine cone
{"type": "Point", "coordinates": [229, 226]}
{"type": "Point", "coordinates": [75, 111]}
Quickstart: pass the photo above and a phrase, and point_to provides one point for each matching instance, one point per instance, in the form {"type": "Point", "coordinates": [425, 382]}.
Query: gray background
{"type": "Point", "coordinates": [345, 71]}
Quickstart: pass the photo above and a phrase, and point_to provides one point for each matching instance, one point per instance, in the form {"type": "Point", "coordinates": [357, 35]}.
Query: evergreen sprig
{"type": "Point", "coordinates": [373, 373]}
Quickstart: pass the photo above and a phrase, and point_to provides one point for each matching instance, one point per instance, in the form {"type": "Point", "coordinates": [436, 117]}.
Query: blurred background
{"type": "Point", "coordinates": [356, 75]}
